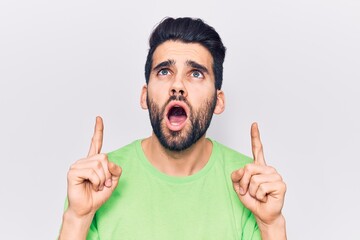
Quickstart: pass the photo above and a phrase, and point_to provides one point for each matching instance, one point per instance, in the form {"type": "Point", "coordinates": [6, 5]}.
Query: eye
{"type": "Point", "coordinates": [164, 72]}
{"type": "Point", "coordinates": [197, 74]}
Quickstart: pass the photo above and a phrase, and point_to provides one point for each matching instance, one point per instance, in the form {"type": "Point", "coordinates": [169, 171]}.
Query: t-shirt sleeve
{"type": "Point", "coordinates": [247, 225]}
{"type": "Point", "coordinates": [250, 229]}
{"type": "Point", "coordinates": [93, 232]}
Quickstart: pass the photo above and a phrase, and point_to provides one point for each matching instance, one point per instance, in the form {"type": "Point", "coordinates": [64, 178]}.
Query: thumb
{"type": "Point", "coordinates": [115, 171]}
{"type": "Point", "coordinates": [237, 175]}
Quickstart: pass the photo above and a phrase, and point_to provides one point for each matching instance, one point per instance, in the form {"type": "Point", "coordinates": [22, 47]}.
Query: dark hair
{"type": "Point", "coordinates": [188, 30]}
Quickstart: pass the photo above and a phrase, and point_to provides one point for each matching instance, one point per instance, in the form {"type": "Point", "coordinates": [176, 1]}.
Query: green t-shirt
{"type": "Point", "coordinates": [148, 204]}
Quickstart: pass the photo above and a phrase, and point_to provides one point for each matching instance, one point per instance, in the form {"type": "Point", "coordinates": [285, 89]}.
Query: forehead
{"type": "Point", "coordinates": [182, 52]}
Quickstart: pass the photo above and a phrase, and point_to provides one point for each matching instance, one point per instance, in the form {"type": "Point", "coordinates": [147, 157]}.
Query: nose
{"type": "Point", "coordinates": [178, 88]}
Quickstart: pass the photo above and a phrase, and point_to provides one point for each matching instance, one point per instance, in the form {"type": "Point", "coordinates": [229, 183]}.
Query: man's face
{"type": "Point", "coordinates": [181, 95]}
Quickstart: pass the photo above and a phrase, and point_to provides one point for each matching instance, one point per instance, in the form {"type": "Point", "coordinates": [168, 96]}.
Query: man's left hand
{"type": "Point", "coordinates": [260, 187]}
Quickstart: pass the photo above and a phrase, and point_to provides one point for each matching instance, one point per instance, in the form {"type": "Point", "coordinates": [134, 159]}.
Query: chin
{"type": "Point", "coordinates": [177, 140]}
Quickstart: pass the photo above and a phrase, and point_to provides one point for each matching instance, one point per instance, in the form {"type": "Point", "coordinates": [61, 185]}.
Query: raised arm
{"type": "Point", "coordinates": [91, 181]}
{"type": "Point", "coordinates": [261, 189]}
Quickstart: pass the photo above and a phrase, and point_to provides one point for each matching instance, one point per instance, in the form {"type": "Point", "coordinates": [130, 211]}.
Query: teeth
{"type": "Point", "coordinates": [175, 124]}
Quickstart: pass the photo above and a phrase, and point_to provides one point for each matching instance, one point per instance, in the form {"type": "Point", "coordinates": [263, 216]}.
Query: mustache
{"type": "Point", "coordinates": [177, 98]}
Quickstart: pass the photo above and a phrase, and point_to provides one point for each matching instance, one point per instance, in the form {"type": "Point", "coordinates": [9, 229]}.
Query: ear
{"type": "Point", "coordinates": [143, 97]}
{"type": "Point", "coordinates": [220, 103]}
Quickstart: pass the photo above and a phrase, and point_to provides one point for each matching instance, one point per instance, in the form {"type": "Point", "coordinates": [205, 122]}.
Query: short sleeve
{"type": "Point", "coordinates": [250, 229]}
{"type": "Point", "coordinates": [93, 232]}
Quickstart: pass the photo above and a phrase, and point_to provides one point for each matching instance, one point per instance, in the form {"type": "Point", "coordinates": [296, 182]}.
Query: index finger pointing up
{"type": "Point", "coordinates": [257, 148]}
{"type": "Point", "coordinates": [97, 139]}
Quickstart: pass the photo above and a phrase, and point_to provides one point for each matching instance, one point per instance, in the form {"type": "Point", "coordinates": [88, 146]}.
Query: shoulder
{"type": "Point", "coordinates": [124, 153]}
{"type": "Point", "coordinates": [230, 157]}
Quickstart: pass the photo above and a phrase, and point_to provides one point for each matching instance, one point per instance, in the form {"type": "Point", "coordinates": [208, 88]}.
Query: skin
{"type": "Point", "coordinates": [261, 189]}
{"type": "Point", "coordinates": [92, 180]}
{"type": "Point", "coordinates": [181, 77]}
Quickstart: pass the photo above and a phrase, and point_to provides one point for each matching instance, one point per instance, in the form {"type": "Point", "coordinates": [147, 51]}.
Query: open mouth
{"type": "Point", "coordinates": [176, 116]}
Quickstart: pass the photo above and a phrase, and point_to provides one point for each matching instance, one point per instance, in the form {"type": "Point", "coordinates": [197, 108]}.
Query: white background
{"type": "Point", "coordinates": [292, 66]}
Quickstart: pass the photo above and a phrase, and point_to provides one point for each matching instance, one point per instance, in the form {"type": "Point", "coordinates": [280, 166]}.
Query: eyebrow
{"type": "Point", "coordinates": [196, 65]}
{"type": "Point", "coordinates": [167, 63]}
{"type": "Point", "coordinates": [171, 62]}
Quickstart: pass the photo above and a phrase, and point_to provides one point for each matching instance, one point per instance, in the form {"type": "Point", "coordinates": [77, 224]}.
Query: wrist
{"type": "Point", "coordinates": [275, 230]}
{"type": "Point", "coordinates": [75, 227]}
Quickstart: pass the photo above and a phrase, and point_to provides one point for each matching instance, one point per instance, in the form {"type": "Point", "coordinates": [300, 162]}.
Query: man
{"type": "Point", "coordinates": [176, 184]}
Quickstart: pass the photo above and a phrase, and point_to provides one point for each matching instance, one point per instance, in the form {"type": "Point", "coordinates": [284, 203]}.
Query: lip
{"type": "Point", "coordinates": [167, 109]}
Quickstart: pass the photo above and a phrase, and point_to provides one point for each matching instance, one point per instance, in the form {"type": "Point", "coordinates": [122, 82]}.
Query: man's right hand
{"type": "Point", "coordinates": [91, 182]}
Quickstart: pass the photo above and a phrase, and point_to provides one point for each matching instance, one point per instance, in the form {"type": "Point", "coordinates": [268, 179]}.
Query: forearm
{"type": "Point", "coordinates": [74, 227]}
{"type": "Point", "coordinates": [275, 231]}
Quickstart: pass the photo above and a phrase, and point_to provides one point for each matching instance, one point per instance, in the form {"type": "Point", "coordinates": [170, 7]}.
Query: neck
{"type": "Point", "coordinates": [177, 163]}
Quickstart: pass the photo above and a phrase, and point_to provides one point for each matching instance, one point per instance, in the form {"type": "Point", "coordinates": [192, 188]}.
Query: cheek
{"type": "Point", "coordinates": [198, 95]}
{"type": "Point", "coordinates": [157, 93]}
{"type": "Point", "coordinates": [205, 86]}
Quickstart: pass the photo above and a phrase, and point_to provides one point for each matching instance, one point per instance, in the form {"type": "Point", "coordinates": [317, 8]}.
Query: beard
{"type": "Point", "coordinates": [180, 140]}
